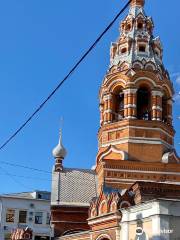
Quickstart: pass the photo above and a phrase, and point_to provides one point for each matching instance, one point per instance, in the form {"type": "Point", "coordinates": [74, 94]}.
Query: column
{"type": "Point", "coordinates": [130, 99]}
{"type": "Point", "coordinates": [169, 111]}
{"type": "Point", "coordinates": [108, 108]}
{"type": "Point", "coordinates": [156, 105]}
{"type": "Point", "coordinates": [101, 109]}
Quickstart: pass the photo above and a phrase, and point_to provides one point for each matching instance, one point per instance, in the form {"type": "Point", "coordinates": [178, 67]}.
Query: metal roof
{"type": "Point", "coordinates": [73, 186]}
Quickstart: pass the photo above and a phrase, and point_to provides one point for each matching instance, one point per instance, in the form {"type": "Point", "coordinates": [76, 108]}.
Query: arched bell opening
{"type": "Point", "coordinates": [144, 103]}
{"type": "Point", "coordinates": [164, 108]}
{"type": "Point", "coordinates": [118, 104]}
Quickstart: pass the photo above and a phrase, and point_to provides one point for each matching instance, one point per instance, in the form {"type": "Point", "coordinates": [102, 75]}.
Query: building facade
{"type": "Point", "coordinates": [22, 210]}
{"type": "Point", "coordinates": [134, 191]}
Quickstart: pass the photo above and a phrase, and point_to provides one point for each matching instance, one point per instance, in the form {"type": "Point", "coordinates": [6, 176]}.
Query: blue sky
{"type": "Point", "coordinates": [39, 42]}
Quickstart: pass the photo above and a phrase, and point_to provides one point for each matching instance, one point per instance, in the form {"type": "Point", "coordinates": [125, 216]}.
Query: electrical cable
{"type": "Point", "coordinates": [65, 78]}
{"type": "Point", "coordinates": [38, 109]}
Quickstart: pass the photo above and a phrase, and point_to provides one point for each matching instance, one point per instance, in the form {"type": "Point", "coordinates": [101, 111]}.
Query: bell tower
{"type": "Point", "coordinates": [136, 135]}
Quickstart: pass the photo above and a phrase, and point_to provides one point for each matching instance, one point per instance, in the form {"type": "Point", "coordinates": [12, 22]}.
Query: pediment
{"type": "Point", "coordinates": [112, 153]}
{"type": "Point", "coordinates": [130, 73]}
{"type": "Point", "coordinates": [170, 157]}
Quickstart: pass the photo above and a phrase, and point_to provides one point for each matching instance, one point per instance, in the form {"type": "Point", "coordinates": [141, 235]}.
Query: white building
{"type": "Point", "coordinates": [158, 219]}
{"type": "Point", "coordinates": [20, 210]}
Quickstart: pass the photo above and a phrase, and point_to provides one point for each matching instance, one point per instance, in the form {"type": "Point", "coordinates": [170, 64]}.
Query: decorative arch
{"type": "Point", "coordinates": [113, 152]}
{"type": "Point", "coordinates": [93, 212]}
{"type": "Point", "coordinates": [115, 84]}
{"type": "Point", "coordinates": [125, 204]}
{"type": "Point", "coordinates": [167, 90]}
{"type": "Point", "coordinates": [103, 207]}
{"type": "Point", "coordinates": [138, 65]}
{"type": "Point", "coordinates": [104, 237]}
{"type": "Point", "coordinates": [145, 81]}
{"type": "Point", "coordinates": [124, 66]}
{"type": "Point", "coordinates": [117, 103]}
{"type": "Point", "coordinates": [113, 206]}
{"type": "Point", "coordinates": [150, 66]}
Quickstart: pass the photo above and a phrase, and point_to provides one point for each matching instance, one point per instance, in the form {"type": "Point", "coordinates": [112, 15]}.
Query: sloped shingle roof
{"type": "Point", "coordinates": [73, 187]}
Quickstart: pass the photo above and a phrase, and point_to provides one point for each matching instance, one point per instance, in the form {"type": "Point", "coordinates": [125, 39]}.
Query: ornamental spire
{"type": "Point", "coordinates": [59, 153]}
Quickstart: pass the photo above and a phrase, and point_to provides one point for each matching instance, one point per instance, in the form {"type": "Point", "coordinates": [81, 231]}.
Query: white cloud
{"type": "Point", "coordinates": [176, 76]}
{"type": "Point", "coordinates": [178, 80]}
{"type": "Point", "coordinates": [177, 98]}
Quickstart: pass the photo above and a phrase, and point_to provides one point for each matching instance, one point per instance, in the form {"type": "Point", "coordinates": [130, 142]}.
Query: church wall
{"type": "Point", "coordinates": [145, 224]}
{"type": "Point", "coordinates": [69, 219]}
{"type": "Point", "coordinates": [158, 218]}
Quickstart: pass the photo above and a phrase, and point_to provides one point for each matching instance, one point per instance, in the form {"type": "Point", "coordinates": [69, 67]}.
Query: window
{"type": "Point", "coordinates": [143, 104]}
{"type": "Point", "coordinates": [129, 27]}
{"type": "Point", "coordinates": [140, 25]}
{"type": "Point", "coordinates": [22, 216]}
{"type": "Point", "coordinates": [38, 217]}
{"type": "Point", "coordinates": [48, 218]}
{"type": "Point", "coordinates": [118, 106]}
{"type": "Point", "coordinates": [123, 50]}
{"type": "Point", "coordinates": [157, 53]}
{"type": "Point", "coordinates": [142, 48]}
{"type": "Point", "coordinates": [7, 236]}
{"type": "Point", "coordinates": [10, 215]}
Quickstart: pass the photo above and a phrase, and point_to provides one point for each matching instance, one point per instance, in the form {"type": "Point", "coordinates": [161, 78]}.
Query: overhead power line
{"type": "Point", "coordinates": [12, 178]}
{"type": "Point", "coordinates": [25, 167]}
{"type": "Point", "coordinates": [38, 109]}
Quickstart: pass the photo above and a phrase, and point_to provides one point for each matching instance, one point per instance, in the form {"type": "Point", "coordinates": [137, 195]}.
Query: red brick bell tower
{"type": "Point", "coordinates": [136, 136]}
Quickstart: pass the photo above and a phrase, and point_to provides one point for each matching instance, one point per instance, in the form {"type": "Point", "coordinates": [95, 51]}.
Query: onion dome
{"type": "Point", "coordinates": [59, 151]}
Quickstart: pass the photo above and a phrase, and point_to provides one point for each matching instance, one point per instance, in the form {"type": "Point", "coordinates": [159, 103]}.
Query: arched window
{"type": "Point", "coordinates": [103, 207]}
{"type": "Point", "coordinates": [143, 104]}
{"type": "Point", "coordinates": [124, 50]}
{"type": "Point", "coordinates": [118, 100]}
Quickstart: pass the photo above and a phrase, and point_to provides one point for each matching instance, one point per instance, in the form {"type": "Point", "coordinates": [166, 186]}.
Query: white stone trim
{"type": "Point", "coordinates": [107, 97]}
{"type": "Point", "coordinates": [130, 106]}
{"type": "Point", "coordinates": [108, 111]}
{"type": "Point", "coordinates": [154, 107]}
{"type": "Point", "coordinates": [165, 158]}
{"type": "Point", "coordinates": [156, 93]}
{"type": "Point", "coordinates": [130, 90]}
{"type": "Point", "coordinates": [113, 149]}
{"type": "Point", "coordinates": [100, 220]}
{"type": "Point", "coordinates": [130, 117]}
{"type": "Point", "coordinates": [146, 78]}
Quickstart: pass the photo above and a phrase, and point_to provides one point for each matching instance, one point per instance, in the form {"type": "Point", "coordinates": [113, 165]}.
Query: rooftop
{"type": "Point", "coordinates": [40, 195]}
{"type": "Point", "coordinates": [73, 187]}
